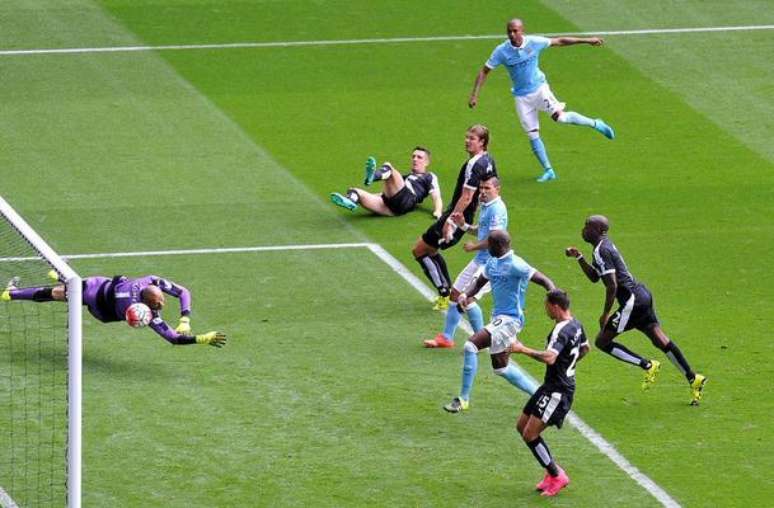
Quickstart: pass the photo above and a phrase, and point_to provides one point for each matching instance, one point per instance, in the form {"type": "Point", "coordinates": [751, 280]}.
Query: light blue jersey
{"type": "Point", "coordinates": [522, 63]}
{"type": "Point", "coordinates": [493, 215]}
{"type": "Point", "coordinates": [509, 276]}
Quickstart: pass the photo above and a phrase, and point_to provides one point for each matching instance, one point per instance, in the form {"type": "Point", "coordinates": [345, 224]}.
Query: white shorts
{"type": "Point", "coordinates": [467, 278]}
{"type": "Point", "coordinates": [527, 107]}
{"type": "Point", "coordinates": [504, 331]}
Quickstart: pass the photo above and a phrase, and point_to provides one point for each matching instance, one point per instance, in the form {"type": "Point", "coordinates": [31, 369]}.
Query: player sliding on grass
{"type": "Point", "coordinates": [401, 194]}
{"type": "Point", "coordinates": [509, 276]}
{"type": "Point", "coordinates": [519, 54]}
{"type": "Point", "coordinates": [108, 299]}
{"type": "Point", "coordinates": [444, 232]}
{"type": "Point", "coordinates": [493, 215]}
{"type": "Point", "coordinates": [635, 311]}
{"type": "Point", "coordinates": [565, 346]}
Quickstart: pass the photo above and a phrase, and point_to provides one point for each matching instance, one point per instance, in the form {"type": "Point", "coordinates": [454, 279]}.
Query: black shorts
{"type": "Point", "coordinates": [636, 313]}
{"type": "Point", "coordinates": [402, 202]}
{"type": "Point", "coordinates": [434, 233]}
{"type": "Point", "coordinates": [550, 405]}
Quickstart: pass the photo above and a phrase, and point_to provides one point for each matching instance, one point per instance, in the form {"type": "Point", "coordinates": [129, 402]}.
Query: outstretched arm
{"type": "Point", "coordinates": [548, 357]}
{"type": "Point", "coordinates": [570, 41]}
{"type": "Point", "coordinates": [480, 80]}
{"type": "Point", "coordinates": [216, 339]}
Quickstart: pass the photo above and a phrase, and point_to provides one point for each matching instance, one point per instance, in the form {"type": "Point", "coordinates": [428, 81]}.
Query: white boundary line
{"type": "Point", "coordinates": [6, 501]}
{"type": "Point", "coordinates": [585, 430]}
{"type": "Point", "coordinates": [349, 42]}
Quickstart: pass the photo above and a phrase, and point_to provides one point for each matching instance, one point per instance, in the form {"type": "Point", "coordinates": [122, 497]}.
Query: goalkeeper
{"type": "Point", "coordinates": [107, 300]}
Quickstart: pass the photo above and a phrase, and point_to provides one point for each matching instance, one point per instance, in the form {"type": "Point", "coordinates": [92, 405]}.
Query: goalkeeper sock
{"type": "Point", "coordinates": [539, 149]}
{"type": "Point", "coordinates": [575, 118]}
{"type": "Point", "coordinates": [476, 317]}
{"type": "Point", "coordinates": [517, 378]}
{"type": "Point", "coordinates": [453, 318]}
{"type": "Point", "coordinates": [43, 294]}
{"type": "Point", "coordinates": [469, 368]}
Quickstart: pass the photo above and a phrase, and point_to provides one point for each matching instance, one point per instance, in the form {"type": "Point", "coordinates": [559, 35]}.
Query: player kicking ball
{"type": "Point", "coordinates": [520, 55]}
{"type": "Point", "coordinates": [565, 346]}
{"type": "Point", "coordinates": [136, 301]}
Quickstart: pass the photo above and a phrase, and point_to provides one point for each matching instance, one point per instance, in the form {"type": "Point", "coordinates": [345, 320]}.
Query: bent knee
{"type": "Point", "coordinates": [470, 347]}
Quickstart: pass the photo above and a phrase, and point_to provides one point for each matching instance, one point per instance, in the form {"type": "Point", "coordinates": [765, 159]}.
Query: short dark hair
{"type": "Point", "coordinates": [558, 297]}
{"type": "Point", "coordinates": [423, 149]}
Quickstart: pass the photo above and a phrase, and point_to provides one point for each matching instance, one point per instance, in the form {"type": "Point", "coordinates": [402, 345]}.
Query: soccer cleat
{"type": "Point", "coordinates": [604, 129]}
{"type": "Point", "coordinates": [650, 374]}
{"type": "Point", "coordinates": [697, 387]}
{"type": "Point", "coordinates": [440, 341]}
{"type": "Point", "coordinates": [370, 170]}
{"type": "Point", "coordinates": [543, 485]}
{"type": "Point", "coordinates": [441, 303]}
{"type": "Point", "coordinates": [343, 201]}
{"type": "Point", "coordinates": [5, 296]}
{"type": "Point", "coordinates": [555, 484]}
{"type": "Point", "coordinates": [457, 405]}
{"type": "Point", "coordinates": [547, 176]}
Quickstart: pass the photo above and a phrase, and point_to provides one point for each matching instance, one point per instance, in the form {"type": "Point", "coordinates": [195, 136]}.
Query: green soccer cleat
{"type": "Point", "coordinates": [457, 405]}
{"type": "Point", "coordinates": [343, 201]}
{"type": "Point", "coordinates": [697, 389]}
{"type": "Point", "coordinates": [547, 176]}
{"type": "Point", "coordinates": [650, 374]}
{"type": "Point", "coordinates": [370, 170]}
{"type": "Point", "coordinates": [604, 129]}
{"type": "Point", "coordinates": [5, 296]}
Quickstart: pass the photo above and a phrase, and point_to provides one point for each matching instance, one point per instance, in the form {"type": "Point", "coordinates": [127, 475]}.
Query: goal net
{"type": "Point", "coordinates": [40, 370]}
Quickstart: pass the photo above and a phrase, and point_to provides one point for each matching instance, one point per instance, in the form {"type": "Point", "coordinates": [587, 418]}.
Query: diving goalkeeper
{"type": "Point", "coordinates": [107, 300]}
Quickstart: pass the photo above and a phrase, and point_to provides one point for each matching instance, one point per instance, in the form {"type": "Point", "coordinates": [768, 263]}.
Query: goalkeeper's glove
{"type": "Point", "coordinates": [184, 326]}
{"type": "Point", "coordinates": [217, 339]}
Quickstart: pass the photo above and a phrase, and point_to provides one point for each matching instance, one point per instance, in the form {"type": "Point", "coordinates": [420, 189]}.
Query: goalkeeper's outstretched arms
{"type": "Point", "coordinates": [216, 339]}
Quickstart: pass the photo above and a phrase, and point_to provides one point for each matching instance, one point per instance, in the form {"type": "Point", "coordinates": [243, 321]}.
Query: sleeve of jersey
{"type": "Point", "coordinates": [558, 341]}
{"type": "Point", "coordinates": [474, 175]}
{"type": "Point", "coordinates": [169, 334]}
{"type": "Point", "coordinates": [179, 292]}
{"type": "Point", "coordinates": [603, 258]}
{"type": "Point", "coordinates": [495, 59]}
{"type": "Point", "coordinates": [434, 185]}
{"type": "Point", "coordinates": [542, 42]}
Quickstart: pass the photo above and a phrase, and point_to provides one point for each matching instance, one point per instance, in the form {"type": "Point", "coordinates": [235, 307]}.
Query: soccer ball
{"type": "Point", "coordinates": [138, 315]}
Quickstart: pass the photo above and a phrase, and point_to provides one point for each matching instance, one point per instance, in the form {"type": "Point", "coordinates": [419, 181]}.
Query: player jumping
{"type": "Point", "coordinates": [107, 300]}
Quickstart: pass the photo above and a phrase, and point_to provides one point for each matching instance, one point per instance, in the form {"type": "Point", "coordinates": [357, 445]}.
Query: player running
{"type": "Point", "coordinates": [401, 194]}
{"type": "Point", "coordinates": [444, 233]}
{"type": "Point", "coordinates": [107, 300]}
{"type": "Point", "coordinates": [520, 54]}
{"type": "Point", "coordinates": [635, 308]}
{"type": "Point", "coordinates": [509, 275]}
{"type": "Point", "coordinates": [565, 346]}
{"type": "Point", "coordinates": [493, 215]}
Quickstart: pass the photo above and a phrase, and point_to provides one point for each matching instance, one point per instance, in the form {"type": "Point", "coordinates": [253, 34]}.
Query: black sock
{"type": "Point", "coordinates": [353, 196]}
{"type": "Point", "coordinates": [433, 274]}
{"type": "Point", "coordinates": [619, 352]}
{"type": "Point", "coordinates": [676, 357]}
{"type": "Point", "coordinates": [541, 452]}
{"type": "Point", "coordinates": [441, 263]}
{"type": "Point", "coordinates": [43, 295]}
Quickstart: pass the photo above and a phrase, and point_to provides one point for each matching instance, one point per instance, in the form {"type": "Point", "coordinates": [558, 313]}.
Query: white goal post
{"type": "Point", "coordinates": [74, 348]}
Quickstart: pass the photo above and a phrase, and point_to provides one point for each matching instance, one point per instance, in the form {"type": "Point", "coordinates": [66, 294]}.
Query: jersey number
{"type": "Point", "coordinates": [575, 352]}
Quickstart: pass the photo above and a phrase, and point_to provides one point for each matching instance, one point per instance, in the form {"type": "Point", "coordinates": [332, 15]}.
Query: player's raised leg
{"type": "Point", "coordinates": [527, 110]}
{"type": "Point", "coordinates": [573, 118]}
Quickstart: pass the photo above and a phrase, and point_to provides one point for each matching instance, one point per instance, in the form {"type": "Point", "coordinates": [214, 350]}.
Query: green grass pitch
{"type": "Point", "coordinates": [323, 395]}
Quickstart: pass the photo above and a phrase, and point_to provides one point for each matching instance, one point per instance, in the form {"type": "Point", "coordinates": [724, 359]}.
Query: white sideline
{"type": "Point", "coordinates": [6, 501]}
{"type": "Point", "coordinates": [345, 42]}
{"type": "Point", "coordinates": [585, 430]}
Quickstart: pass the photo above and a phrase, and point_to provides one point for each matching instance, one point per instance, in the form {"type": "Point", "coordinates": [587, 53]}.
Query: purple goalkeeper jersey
{"type": "Point", "coordinates": [108, 299]}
